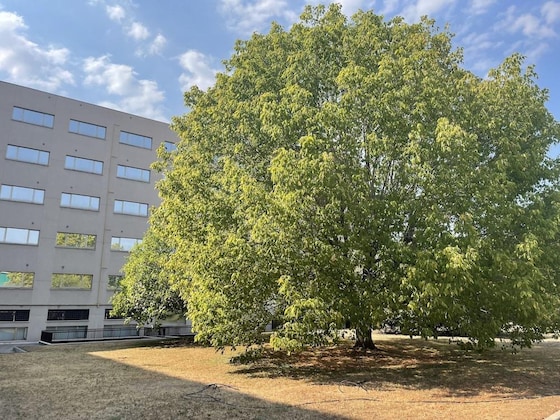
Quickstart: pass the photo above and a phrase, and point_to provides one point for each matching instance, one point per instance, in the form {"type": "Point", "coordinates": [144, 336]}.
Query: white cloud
{"type": "Point", "coordinates": [11, 22]}
{"type": "Point", "coordinates": [479, 7]}
{"type": "Point", "coordinates": [389, 7]}
{"type": "Point", "coordinates": [480, 42]}
{"type": "Point", "coordinates": [349, 7]}
{"type": "Point", "coordinates": [531, 26]}
{"type": "Point", "coordinates": [116, 13]}
{"type": "Point", "coordinates": [250, 16]}
{"type": "Point", "coordinates": [118, 79]}
{"type": "Point", "coordinates": [539, 50]}
{"type": "Point", "coordinates": [138, 31]}
{"type": "Point", "coordinates": [198, 69]}
{"type": "Point", "coordinates": [134, 95]}
{"type": "Point", "coordinates": [418, 8]}
{"type": "Point", "coordinates": [481, 51]}
{"type": "Point", "coordinates": [528, 24]}
{"type": "Point", "coordinates": [157, 45]}
{"type": "Point", "coordinates": [28, 63]}
{"type": "Point", "coordinates": [124, 16]}
{"type": "Point", "coordinates": [551, 12]}
{"type": "Point", "coordinates": [526, 31]}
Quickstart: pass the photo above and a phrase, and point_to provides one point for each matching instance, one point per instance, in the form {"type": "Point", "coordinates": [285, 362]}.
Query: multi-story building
{"type": "Point", "coordinates": [75, 192]}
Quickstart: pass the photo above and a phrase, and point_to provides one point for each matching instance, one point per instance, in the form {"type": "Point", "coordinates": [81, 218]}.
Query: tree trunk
{"type": "Point", "coordinates": [364, 338]}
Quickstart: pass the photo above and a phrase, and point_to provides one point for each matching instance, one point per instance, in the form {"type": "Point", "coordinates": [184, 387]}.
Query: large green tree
{"type": "Point", "coordinates": [349, 171]}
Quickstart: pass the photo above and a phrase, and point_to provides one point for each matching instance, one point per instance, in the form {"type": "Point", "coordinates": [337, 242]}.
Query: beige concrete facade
{"type": "Point", "coordinates": [44, 168]}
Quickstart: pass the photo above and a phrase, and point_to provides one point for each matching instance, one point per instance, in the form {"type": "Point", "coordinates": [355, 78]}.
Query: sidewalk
{"type": "Point", "coordinates": [555, 416]}
{"type": "Point", "coordinates": [10, 348]}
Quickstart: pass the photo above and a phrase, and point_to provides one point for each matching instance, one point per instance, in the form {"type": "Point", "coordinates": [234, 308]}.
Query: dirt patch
{"type": "Point", "coordinates": [403, 379]}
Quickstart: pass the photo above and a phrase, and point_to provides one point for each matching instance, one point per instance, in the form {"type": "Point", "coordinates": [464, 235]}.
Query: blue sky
{"type": "Point", "coordinates": [140, 55]}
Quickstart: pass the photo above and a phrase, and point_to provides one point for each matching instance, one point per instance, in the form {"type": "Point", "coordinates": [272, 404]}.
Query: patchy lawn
{"type": "Point", "coordinates": [166, 380]}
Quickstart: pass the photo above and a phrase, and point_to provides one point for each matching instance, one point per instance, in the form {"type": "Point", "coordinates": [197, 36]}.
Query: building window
{"type": "Point", "coordinates": [169, 146]}
{"type": "Point", "coordinates": [19, 236]}
{"type": "Point", "coordinates": [11, 334]}
{"type": "Point", "coordinates": [22, 194]}
{"type": "Point", "coordinates": [109, 316]}
{"type": "Point", "coordinates": [70, 332]}
{"type": "Point", "coordinates": [16, 279]}
{"type": "Point", "coordinates": [67, 314]}
{"type": "Point", "coordinates": [130, 207]}
{"type": "Point", "coordinates": [87, 129]}
{"type": "Point", "coordinates": [33, 117]}
{"type": "Point", "coordinates": [83, 165]}
{"type": "Point", "coordinates": [136, 174]}
{"type": "Point", "coordinates": [135, 140]}
{"type": "Point", "coordinates": [114, 282]}
{"type": "Point", "coordinates": [24, 154]}
{"type": "Point", "coordinates": [75, 240]}
{"type": "Point", "coordinates": [71, 281]}
{"type": "Point", "coordinates": [14, 315]}
{"type": "Point", "coordinates": [77, 201]}
{"type": "Point", "coordinates": [123, 244]}
{"type": "Point", "coordinates": [116, 331]}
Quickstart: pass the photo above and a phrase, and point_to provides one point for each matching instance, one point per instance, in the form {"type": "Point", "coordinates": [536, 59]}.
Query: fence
{"type": "Point", "coordinates": [182, 330]}
{"type": "Point", "coordinates": [83, 333]}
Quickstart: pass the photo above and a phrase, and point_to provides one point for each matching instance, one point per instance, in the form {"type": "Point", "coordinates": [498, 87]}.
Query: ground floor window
{"type": "Point", "coordinates": [120, 331]}
{"type": "Point", "coordinates": [67, 314]}
{"type": "Point", "coordinates": [12, 315]}
{"type": "Point", "coordinates": [68, 332]}
{"type": "Point", "coordinates": [15, 333]}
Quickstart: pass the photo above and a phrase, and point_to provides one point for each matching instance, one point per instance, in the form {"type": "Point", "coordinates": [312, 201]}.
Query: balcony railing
{"type": "Point", "coordinates": [179, 330]}
{"type": "Point", "coordinates": [83, 333]}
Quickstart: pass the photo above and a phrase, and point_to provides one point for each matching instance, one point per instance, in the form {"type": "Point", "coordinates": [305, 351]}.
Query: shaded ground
{"type": "Point", "coordinates": [404, 379]}
{"type": "Point", "coordinates": [420, 365]}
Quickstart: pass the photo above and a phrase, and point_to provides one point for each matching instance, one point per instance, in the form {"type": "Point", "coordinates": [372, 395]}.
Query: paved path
{"type": "Point", "coordinates": [555, 416]}
{"type": "Point", "coordinates": [10, 348]}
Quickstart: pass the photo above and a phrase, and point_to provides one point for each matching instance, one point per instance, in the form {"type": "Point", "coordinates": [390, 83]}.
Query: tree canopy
{"type": "Point", "coordinates": [348, 171]}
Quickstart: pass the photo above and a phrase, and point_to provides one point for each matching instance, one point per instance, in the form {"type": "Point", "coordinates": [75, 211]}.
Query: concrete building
{"type": "Point", "coordinates": [75, 193]}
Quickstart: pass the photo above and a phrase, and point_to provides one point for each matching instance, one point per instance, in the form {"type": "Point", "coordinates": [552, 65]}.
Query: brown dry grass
{"type": "Point", "coordinates": [167, 380]}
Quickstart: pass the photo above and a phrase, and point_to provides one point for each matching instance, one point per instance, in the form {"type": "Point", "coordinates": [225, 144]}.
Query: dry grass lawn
{"type": "Point", "coordinates": [404, 379]}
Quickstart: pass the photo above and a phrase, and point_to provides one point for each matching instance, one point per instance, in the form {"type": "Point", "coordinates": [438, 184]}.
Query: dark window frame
{"type": "Point", "coordinates": [14, 315]}
{"type": "Point", "coordinates": [68, 315]}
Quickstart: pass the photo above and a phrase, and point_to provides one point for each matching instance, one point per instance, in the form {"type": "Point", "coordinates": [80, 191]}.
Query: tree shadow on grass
{"type": "Point", "coordinates": [72, 383]}
{"type": "Point", "coordinates": [421, 365]}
